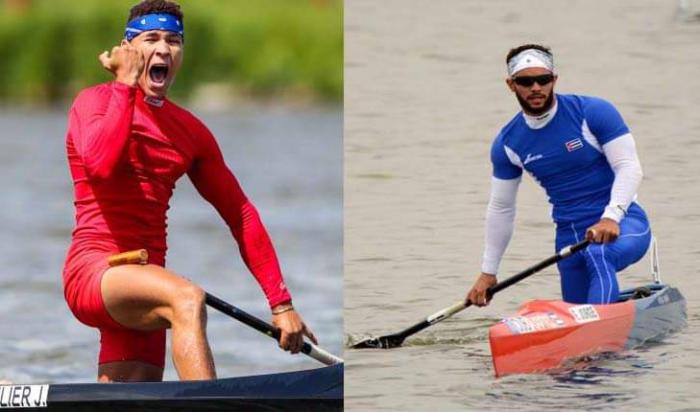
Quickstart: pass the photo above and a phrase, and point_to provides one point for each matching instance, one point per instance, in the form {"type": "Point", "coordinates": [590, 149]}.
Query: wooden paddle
{"type": "Point", "coordinates": [396, 339]}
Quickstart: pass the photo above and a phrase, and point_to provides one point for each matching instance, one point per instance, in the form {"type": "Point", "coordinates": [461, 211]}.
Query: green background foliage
{"type": "Point", "coordinates": [262, 48]}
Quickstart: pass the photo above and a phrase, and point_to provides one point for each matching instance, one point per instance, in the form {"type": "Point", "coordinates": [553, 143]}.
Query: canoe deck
{"type": "Point", "coordinates": [544, 334]}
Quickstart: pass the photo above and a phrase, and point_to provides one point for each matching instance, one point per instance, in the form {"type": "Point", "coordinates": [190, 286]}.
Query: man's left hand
{"type": "Point", "coordinates": [604, 231]}
{"type": "Point", "coordinates": [293, 331]}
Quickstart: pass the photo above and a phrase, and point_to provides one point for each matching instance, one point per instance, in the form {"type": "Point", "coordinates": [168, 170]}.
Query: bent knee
{"type": "Point", "coordinates": [189, 302]}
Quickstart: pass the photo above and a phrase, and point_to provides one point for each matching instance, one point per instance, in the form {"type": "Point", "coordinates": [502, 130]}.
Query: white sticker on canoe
{"type": "Point", "coordinates": [527, 324]}
{"type": "Point", "coordinates": [584, 313]}
{"type": "Point", "coordinates": [519, 324]}
{"type": "Point", "coordinates": [23, 396]}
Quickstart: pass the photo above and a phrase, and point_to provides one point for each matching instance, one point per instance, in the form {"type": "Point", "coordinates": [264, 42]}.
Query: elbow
{"type": "Point", "coordinates": [635, 172]}
{"type": "Point", "coordinates": [501, 207]}
{"type": "Point", "coordinates": [98, 165]}
{"type": "Point", "coordinates": [245, 217]}
{"type": "Point", "coordinates": [98, 171]}
{"type": "Point", "coordinates": [629, 171]}
{"type": "Point", "coordinates": [506, 211]}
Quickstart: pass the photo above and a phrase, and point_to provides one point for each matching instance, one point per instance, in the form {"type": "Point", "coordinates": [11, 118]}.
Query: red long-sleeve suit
{"type": "Point", "coordinates": [125, 153]}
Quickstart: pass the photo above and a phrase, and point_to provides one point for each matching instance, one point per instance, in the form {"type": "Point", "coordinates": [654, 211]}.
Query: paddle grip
{"type": "Point", "coordinates": [445, 313]}
{"type": "Point", "coordinates": [570, 250]}
{"type": "Point", "coordinates": [132, 257]}
{"type": "Point", "coordinates": [320, 355]}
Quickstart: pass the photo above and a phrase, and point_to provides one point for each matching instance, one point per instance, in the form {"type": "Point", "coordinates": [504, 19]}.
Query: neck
{"type": "Point", "coordinates": [154, 100]}
{"type": "Point", "coordinates": [538, 121]}
{"type": "Point", "coordinates": [151, 99]}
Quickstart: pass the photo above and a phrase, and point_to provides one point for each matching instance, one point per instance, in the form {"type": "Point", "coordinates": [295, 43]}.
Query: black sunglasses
{"type": "Point", "coordinates": [528, 81]}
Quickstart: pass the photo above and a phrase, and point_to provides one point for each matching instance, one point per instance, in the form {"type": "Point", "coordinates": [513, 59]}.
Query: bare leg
{"type": "Point", "coordinates": [150, 297]}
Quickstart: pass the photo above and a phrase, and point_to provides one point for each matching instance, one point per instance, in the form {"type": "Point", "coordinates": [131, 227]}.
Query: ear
{"type": "Point", "coordinates": [125, 42]}
{"type": "Point", "coordinates": [511, 84]}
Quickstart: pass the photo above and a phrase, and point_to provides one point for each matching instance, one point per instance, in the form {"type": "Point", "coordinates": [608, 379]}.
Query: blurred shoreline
{"type": "Point", "coordinates": [286, 49]}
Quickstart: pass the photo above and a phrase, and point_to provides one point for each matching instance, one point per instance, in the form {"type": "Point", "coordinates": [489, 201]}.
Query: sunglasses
{"type": "Point", "coordinates": [528, 81]}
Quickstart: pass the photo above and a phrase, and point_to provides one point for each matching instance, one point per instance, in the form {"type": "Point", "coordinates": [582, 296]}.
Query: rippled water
{"type": "Point", "coordinates": [288, 162]}
{"type": "Point", "coordinates": [425, 95]}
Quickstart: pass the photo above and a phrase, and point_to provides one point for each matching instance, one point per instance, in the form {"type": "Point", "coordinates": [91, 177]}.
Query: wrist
{"type": "Point", "coordinates": [487, 279]}
{"type": "Point", "coordinates": [282, 307]}
{"type": "Point", "coordinates": [614, 212]}
{"type": "Point", "coordinates": [128, 79]}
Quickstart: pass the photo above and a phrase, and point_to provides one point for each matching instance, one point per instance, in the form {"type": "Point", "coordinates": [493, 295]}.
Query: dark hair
{"type": "Point", "coordinates": [156, 6]}
{"type": "Point", "coordinates": [515, 51]}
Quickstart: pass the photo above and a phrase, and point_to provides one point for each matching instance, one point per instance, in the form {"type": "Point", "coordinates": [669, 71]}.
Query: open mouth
{"type": "Point", "coordinates": [158, 73]}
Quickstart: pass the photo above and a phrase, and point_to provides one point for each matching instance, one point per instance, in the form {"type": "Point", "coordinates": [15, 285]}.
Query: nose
{"type": "Point", "coordinates": [535, 87]}
{"type": "Point", "coordinates": [162, 48]}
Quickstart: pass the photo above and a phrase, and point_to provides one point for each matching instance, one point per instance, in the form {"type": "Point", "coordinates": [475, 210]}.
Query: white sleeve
{"type": "Point", "coordinates": [622, 156]}
{"type": "Point", "coordinates": [500, 215]}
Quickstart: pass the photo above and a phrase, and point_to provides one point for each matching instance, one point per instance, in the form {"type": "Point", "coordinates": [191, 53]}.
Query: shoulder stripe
{"type": "Point", "coordinates": [590, 137]}
{"type": "Point", "coordinates": [513, 157]}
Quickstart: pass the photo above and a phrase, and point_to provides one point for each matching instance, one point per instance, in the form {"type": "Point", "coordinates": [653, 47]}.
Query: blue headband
{"type": "Point", "coordinates": [166, 22]}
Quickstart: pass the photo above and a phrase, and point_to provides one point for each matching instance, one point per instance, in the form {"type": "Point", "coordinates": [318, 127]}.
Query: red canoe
{"type": "Point", "coordinates": [544, 334]}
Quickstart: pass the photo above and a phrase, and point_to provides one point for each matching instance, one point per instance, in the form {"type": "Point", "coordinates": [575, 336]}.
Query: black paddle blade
{"type": "Point", "coordinates": [382, 342]}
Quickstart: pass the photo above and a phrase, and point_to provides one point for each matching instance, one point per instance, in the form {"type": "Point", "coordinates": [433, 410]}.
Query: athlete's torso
{"type": "Point", "coordinates": [128, 209]}
{"type": "Point", "coordinates": [125, 155]}
{"type": "Point", "coordinates": [565, 156]}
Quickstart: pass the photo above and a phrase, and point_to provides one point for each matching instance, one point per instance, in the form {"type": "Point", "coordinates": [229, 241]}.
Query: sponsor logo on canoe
{"type": "Point", "coordinates": [584, 313]}
{"type": "Point", "coordinates": [528, 324]}
{"type": "Point", "coordinates": [23, 396]}
{"type": "Point", "coordinates": [556, 319]}
{"type": "Point", "coordinates": [663, 299]}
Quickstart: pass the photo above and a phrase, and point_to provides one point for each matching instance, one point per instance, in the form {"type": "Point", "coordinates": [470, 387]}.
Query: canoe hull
{"type": "Point", "coordinates": [310, 390]}
{"type": "Point", "coordinates": [544, 334]}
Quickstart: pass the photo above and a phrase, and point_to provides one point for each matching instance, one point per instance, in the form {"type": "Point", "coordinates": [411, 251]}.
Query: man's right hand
{"type": "Point", "coordinates": [477, 295]}
{"type": "Point", "coordinates": [293, 329]}
{"type": "Point", "coordinates": [125, 62]}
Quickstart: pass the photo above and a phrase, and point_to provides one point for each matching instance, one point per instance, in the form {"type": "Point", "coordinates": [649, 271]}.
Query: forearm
{"type": "Point", "coordinates": [259, 255]}
{"type": "Point", "coordinates": [500, 215]}
{"type": "Point", "coordinates": [621, 153]}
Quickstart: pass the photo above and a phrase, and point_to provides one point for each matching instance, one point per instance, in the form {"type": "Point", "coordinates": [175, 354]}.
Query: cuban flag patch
{"type": "Point", "coordinates": [572, 145]}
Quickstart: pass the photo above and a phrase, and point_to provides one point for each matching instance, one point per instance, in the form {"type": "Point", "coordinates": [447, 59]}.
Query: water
{"type": "Point", "coordinates": [425, 95]}
{"type": "Point", "coordinates": [289, 164]}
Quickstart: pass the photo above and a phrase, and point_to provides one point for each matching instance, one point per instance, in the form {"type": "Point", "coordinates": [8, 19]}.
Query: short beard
{"type": "Point", "coordinates": [531, 110]}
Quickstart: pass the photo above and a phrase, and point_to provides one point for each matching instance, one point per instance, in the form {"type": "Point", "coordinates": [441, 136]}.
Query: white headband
{"type": "Point", "coordinates": [530, 58]}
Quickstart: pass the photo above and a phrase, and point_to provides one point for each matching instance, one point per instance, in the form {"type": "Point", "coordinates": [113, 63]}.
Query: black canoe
{"type": "Point", "coordinates": [310, 390]}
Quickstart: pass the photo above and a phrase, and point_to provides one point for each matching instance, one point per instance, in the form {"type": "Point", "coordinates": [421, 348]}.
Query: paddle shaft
{"type": "Point", "coordinates": [459, 306]}
{"type": "Point", "coordinates": [309, 349]}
